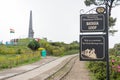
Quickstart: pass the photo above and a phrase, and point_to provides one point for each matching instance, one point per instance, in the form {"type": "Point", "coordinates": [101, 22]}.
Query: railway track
{"type": "Point", "coordinates": [54, 70]}
{"type": "Point", "coordinates": [61, 73]}
{"type": "Point", "coordinates": [74, 69]}
{"type": "Point", "coordinates": [64, 68]}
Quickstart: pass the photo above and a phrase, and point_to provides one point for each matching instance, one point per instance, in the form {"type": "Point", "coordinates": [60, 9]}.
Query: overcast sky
{"type": "Point", "coordinates": [58, 20]}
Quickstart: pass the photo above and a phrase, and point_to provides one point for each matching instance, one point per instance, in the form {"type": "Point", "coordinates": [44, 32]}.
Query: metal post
{"type": "Point", "coordinates": [107, 41]}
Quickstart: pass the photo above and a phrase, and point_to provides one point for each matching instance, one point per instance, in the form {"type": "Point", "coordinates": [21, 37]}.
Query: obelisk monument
{"type": "Point", "coordinates": [31, 32]}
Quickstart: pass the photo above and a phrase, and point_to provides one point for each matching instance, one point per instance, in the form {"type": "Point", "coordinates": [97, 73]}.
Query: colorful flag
{"type": "Point", "coordinates": [12, 31]}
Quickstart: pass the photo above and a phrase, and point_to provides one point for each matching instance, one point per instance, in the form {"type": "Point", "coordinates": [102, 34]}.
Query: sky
{"type": "Point", "coordinates": [57, 20]}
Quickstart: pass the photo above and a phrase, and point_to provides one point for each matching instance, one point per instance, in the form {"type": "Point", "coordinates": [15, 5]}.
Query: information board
{"type": "Point", "coordinates": [92, 47]}
{"type": "Point", "coordinates": [92, 23]}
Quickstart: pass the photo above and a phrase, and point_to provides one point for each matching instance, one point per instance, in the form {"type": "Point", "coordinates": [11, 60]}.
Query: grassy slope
{"type": "Point", "coordinates": [15, 55]}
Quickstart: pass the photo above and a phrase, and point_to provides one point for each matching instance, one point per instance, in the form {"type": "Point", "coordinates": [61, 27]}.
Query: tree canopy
{"type": "Point", "coordinates": [111, 19]}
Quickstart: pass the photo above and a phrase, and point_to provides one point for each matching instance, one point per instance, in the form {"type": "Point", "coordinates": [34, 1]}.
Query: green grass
{"type": "Point", "coordinates": [16, 55]}
{"type": "Point", "coordinates": [9, 61]}
{"type": "Point", "coordinates": [70, 52]}
{"type": "Point", "coordinates": [20, 54]}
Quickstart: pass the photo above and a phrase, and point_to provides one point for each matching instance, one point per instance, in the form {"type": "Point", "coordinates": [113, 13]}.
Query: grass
{"type": "Point", "coordinates": [9, 61]}
{"type": "Point", "coordinates": [70, 52]}
{"type": "Point", "coordinates": [17, 55]}
{"type": "Point", "coordinates": [20, 54]}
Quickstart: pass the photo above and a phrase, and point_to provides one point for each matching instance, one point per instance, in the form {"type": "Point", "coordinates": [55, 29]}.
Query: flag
{"type": "Point", "coordinates": [12, 31]}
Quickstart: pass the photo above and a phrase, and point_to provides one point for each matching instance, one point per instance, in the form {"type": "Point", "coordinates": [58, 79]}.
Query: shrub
{"type": "Point", "coordinates": [19, 51]}
{"type": "Point", "coordinates": [34, 45]}
{"type": "Point", "coordinates": [98, 68]}
{"type": "Point", "coordinates": [58, 51]}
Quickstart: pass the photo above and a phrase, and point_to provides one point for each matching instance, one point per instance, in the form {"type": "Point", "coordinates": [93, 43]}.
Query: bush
{"type": "Point", "coordinates": [115, 67]}
{"type": "Point", "coordinates": [7, 50]}
{"type": "Point", "coordinates": [98, 68]}
{"type": "Point", "coordinates": [34, 45]}
{"type": "Point", "coordinates": [57, 51]}
{"type": "Point", "coordinates": [19, 51]}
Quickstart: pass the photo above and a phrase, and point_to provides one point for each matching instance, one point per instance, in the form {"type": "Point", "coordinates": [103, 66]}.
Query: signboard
{"type": "Point", "coordinates": [92, 47]}
{"type": "Point", "coordinates": [92, 23]}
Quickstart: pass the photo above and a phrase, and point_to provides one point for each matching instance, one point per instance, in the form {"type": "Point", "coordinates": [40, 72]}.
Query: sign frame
{"type": "Point", "coordinates": [88, 43]}
{"type": "Point", "coordinates": [92, 23]}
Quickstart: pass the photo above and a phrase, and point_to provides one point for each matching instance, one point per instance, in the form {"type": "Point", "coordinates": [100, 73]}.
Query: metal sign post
{"type": "Point", "coordinates": [96, 23]}
{"type": "Point", "coordinates": [107, 53]}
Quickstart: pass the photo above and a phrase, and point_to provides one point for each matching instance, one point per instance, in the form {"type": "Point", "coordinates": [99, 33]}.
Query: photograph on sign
{"type": "Point", "coordinates": [92, 23]}
{"type": "Point", "coordinates": [92, 47]}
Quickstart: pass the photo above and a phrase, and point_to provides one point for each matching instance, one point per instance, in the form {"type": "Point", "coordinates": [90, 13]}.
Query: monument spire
{"type": "Point", "coordinates": [31, 32]}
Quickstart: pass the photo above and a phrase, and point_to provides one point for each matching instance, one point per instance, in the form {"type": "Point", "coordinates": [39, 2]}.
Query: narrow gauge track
{"type": "Point", "coordinates": [73, 70]}
{"type": "Point", "coordinates": [39, 71]}
{"type": "Point", "coordinates": [61, 73]}
{"type": "Point", "coordinates": [78, 72]}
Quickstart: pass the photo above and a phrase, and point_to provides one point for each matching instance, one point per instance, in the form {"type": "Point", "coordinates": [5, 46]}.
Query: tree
{"type": "Point", "coordinates": [89, 2]}
{"type": "Point", "coordinates": [33, 45]}
{"type": "Point", "coordinates": [74, 45]}
{"type": "Point", "coordinates": [111, 19]}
